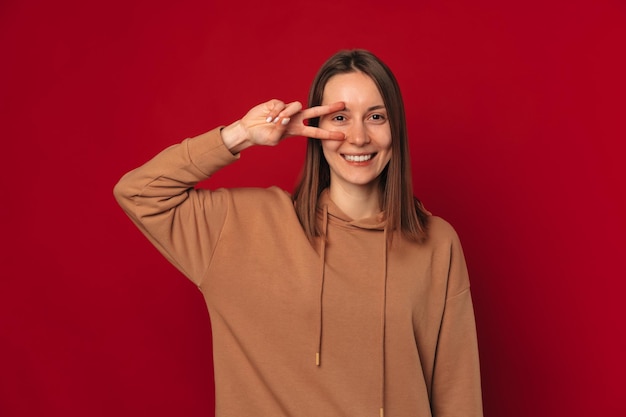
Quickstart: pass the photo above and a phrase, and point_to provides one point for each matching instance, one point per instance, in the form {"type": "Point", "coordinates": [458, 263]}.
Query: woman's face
{"type": "Point", "coordinates": [356, 162]}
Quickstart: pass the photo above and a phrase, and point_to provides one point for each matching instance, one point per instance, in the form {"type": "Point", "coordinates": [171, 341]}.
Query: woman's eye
{"type": "Point", "coordinates": [339, 118]}
{"type": "Point", "coordinates": [378, 117]}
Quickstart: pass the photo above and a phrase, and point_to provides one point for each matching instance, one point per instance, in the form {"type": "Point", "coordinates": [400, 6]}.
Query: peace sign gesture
{"type": "Point", "coordinates": [271, 122]}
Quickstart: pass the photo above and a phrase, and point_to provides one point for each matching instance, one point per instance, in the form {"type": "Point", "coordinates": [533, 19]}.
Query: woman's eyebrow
{"type": "Point", "coordinates": [376, 107]}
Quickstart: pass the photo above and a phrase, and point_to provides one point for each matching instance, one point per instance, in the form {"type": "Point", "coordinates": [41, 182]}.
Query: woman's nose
{"type": "Point", "coordinates": [357, 134]}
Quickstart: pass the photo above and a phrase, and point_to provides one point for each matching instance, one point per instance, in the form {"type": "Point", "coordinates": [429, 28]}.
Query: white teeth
{"type": "Point", "coordinates": [358, 158]}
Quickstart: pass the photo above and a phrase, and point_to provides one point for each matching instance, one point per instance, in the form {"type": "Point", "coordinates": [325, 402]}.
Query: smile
{"type": "Point", "coordinates": [358, 158]}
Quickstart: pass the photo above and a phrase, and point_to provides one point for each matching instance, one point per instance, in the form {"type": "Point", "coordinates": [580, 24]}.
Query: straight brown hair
{"type": "Point", "coordinates": [403, 211]}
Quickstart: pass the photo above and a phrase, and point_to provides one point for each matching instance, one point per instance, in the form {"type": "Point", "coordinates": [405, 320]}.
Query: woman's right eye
{"type": "Point", "coordinates": [339, 118]}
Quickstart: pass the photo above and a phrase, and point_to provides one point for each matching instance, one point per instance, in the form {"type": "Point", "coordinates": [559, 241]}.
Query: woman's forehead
{"type": "Point", "coordinates": [354, 88]}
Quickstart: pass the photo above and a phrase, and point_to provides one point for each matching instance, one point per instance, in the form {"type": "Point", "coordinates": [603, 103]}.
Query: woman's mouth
{"type": "Point", "coordinates": [358, 158]}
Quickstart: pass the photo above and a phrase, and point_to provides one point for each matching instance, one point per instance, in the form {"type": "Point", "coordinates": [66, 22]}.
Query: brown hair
{"type": "Point", "coordinates": [404, 212]}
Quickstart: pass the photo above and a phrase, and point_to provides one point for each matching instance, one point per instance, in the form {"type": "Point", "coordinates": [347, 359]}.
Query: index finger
{"type": "Point", "coordinates": [318, 111]}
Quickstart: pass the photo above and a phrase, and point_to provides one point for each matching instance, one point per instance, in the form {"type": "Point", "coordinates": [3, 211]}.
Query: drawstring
{"type": "Point", "coordinates": [383, 326]}
{"type": "Point", "coordinates": [318, 353]}
{"type": "Point", "coordinates": [323, 269]}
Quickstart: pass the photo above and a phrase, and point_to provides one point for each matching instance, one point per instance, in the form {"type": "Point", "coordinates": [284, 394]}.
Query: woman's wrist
{"type": "Point", "coordinates": [235, 138]}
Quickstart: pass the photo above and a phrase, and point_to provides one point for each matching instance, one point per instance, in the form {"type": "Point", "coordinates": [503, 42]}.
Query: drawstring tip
{"type": "Point", "coordinates": [317, 359]}
{"type": "Point", "coordinates": [382, 412]}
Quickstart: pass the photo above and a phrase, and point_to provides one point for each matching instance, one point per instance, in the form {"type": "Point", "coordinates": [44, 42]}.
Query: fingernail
{"type": "Point", "coordinates": [269, 119]}
{"type": "Point", "coordinates": [285, 121]}
{"type": "Point", "coordinates": [276, 119]}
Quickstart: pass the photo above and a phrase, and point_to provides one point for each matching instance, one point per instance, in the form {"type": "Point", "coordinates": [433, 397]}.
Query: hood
{"type": "Point", "coordinates": [376, 222]}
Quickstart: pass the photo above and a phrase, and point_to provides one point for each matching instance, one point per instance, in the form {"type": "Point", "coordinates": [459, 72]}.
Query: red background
{"type": "Point", "coordinates": [516, 116]}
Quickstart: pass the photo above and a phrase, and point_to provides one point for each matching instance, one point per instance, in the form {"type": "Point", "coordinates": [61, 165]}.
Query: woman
{"type": "Point", "coordinates": [345, 299]}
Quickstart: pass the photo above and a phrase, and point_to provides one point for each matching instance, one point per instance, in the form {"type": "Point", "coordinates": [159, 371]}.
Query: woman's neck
{"type": "Point", "coordinates": [357, 202]}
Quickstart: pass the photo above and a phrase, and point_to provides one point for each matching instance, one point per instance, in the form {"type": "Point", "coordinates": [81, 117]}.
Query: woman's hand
{"type": "Point", "coordinates": [271, 122]}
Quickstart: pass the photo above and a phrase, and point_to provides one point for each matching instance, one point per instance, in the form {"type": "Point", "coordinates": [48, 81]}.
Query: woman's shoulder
{"type": "Point", "coordinates": [261, 207]}
{"type": "Point", "coordinates": [440, 230]}
{"type": "Point", "coordinates": [271, 198]}
{"type": "Point", "coordinates": [271, 194]}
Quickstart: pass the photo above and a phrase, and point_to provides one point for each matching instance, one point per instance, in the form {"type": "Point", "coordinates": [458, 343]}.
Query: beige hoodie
{"type": "Point", "coordinates": [347, 327]}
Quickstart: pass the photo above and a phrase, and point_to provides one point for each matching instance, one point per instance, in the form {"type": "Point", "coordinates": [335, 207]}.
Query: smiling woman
{"type": "Point", "coordinates": [346, 298]}
{"type": "Point", "coordinates": [403, 212]}
{"type": "Point", "coordinates": [357, 162]}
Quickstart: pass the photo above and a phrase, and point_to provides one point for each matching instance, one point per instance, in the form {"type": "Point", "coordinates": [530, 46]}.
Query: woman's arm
{"type": "Point", "coordinates": [159, 197]}
{"type": "Point", "coordinates": [185, 223]}
{"type": "Point", "coordinates": [456, 389]}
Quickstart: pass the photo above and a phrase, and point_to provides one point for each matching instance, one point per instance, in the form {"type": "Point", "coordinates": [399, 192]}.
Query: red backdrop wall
{"type": "Point", "coordinates": [516, 116]}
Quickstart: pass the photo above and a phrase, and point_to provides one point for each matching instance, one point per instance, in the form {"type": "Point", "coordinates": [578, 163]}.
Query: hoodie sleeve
{"type": "Point", "coordinates": [159, 197]}
{"type": "Point", "coordinates": [456, 389]}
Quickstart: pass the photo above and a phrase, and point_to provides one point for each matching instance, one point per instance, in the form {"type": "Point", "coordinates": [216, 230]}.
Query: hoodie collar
{"type": "Point", "coordinates": [336, 215]}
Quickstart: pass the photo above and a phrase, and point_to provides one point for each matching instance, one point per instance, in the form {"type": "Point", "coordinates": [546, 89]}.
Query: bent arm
{"type": "Point", "coordinates": [159, 197]}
